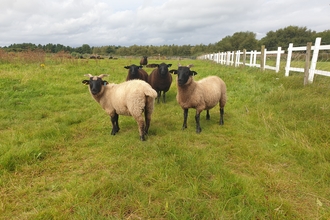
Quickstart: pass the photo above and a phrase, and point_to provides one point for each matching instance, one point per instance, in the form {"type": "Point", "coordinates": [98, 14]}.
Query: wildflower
{"type": "Point", "coordinates": [42, 65]}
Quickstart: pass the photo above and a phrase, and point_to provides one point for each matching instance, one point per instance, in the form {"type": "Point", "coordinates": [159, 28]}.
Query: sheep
{"type": "Point", "coordinates": [136, 72]}
{"type": "Point", "coordinates": [131, 98]}
{"type": "Point", "coordinates": [152, 65]}
{"type": "Point", "coordinates": [201, 95]}
{"type": "Point", "coordinates": [144, 61]}
{"type": "Point", "coordinates": [160, 80]}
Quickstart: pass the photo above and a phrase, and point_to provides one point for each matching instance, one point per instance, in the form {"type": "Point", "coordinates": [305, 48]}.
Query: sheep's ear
{"type": "Point", "coordinates": [173, 71]}
{"type": "Point", "coordinates": [193, 73]}
{"type": "Point", "coordinates": [169, 65]}
{"type": "Point", "coordinates": [85, 82]}
{"type": "Point", "coordinates": [126, 67]}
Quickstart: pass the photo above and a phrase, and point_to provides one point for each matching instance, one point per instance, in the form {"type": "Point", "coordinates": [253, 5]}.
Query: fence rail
{"type": "Point", "coordinates": [245, 58]}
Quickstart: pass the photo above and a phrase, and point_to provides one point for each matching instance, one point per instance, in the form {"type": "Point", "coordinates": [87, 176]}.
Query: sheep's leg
{"type": "Point", "coordinates": [158, 95]}
{"type": "Point", "coordinates": [140, 121]}
{"type": "Point", "coordinates": [148, 109]}
{"type": "Point", "coordinates": [147, 117]}
{"type": "Point", "coordinates": [163, 97]}
{"type": "Point", "coordinates": [207, 115]}
{"type": "Point", "coordinates": [142, 134]}
{"type": "Point", "coordinates": [198, 126]}
{"type": "Point", "coordinates": [114, 121]}
{"type": "Point", "coordinates": [185, 116]}
{"type": "Point", "coordinates": [141, 129]}
{"type": "Point", "coordinates": [221, 116]}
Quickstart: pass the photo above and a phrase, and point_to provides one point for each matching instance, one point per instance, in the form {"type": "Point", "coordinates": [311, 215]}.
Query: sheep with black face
{"type": "Point", "coordinates": [160, 79]}
{"type": "Point", "coordinates": [201, 95]}
{"type": "Point", "coordinates": [136, 72]}
{"type": "Point", "coordinates": [131, 98]}
{"type": "Point", "coordinates": [144, 61]}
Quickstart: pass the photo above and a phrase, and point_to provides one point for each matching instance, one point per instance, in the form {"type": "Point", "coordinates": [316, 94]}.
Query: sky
{"type": "Point", "coordinates": [152, 22]}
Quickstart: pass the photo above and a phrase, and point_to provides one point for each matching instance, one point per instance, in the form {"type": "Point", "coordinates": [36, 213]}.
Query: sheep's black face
{"type": "Point", "coordinates": [95, 85]}
{"type": "Point", "coordinates": [163, 69]}
{"type": "Point", "coordinates": [133, 70]}
{"type": "Point", "coordinates": [183, 75]}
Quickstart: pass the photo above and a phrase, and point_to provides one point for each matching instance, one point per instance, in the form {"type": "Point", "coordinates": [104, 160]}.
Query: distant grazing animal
{"type": "Point", "coordinates": [201, 95]}
{"type": "Point", "coordinates": [136, 72]}
{"type": "Point", "coordinates": [144, 60]}
{"type": "Point", "coordinates": [131, 98]}
{"type": "Point", "coordinates": [160, 80]}
{"type": "Point", "coordinates": [96, 57]}
{"type": "Point", "coordinates": [152, 65]}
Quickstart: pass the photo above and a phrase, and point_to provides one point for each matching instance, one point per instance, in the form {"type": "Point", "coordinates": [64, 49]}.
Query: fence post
{"type": "Point", "coordinates": [314, 59]}
{"type": "Point", "coordinates": [288, 60]}
{"type": "Point", "coordinates": [278, 59]}
{"type": "Point", "coordinates": [307, 62]}
{"type": "Point", "coordinates": [225, 57]}
{"type": "Point", "coordinates": [251, 57]}
{"type": "Point", "coordinates": [229, 58]}
{"type": "Point", "coordinates": [255, 58]}
{"type": "Point", "coordinates": [244, 57]}
{"type": "Point", "coordinates": [238, 54]}
{"type": "Point", "coordinates": [234, 58]}
{"type": "Point", "coordinates": [262, 58]}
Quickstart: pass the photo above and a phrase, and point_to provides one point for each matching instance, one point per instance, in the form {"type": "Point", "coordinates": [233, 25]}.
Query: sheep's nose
{"type": "Point", "coordinates": [180, 82]}
{"type": "Point", "coordinates": [94, 91]}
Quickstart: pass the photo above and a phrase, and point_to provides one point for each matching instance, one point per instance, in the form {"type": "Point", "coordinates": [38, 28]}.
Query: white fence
{"type": "Point", "coordinates": [233, 58]}
{"type": "Point", "coordinates": [312, 70]}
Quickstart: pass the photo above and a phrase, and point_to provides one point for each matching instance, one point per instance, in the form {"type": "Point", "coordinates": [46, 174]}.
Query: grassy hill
{"type": "Point", "coordinates": [270, 160]}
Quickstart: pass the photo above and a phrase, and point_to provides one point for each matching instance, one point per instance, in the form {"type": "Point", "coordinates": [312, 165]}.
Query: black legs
{"type": "Point", "coordinates": [115, 125]}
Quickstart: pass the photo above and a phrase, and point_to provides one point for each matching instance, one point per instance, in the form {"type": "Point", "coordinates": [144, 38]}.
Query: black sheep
{"type": "Point", "coordinates": [160, 80]}
{"type": "Point", "coordinates": [144, 61]}
{"type": "Point", "coordinates": [136, 72]}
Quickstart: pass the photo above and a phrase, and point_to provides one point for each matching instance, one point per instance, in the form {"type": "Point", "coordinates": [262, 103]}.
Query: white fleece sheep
{"type": "Point", "coordinates": [130, 98]}
{"type": "Point", "coordinates": [201, 95]}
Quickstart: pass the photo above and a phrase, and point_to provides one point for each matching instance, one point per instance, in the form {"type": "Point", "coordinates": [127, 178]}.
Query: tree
{"type": "Point", "coordinates": [224, 44]}
{"type": "Point", "coordinates": [299, 36]}
{"type": "Point", "coordinates": [239, 41]}
{"type": "Point", "coordinates": [85, 48]}
{"type": "Point", "coordinates": [325, 35]}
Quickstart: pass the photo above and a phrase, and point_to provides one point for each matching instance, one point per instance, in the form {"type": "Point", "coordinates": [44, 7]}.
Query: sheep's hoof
{"type": "Point", "coordinates": [114, 131]}
{"type": "Point", "coordinates": [198, 130]}
{"type": "Point", "coordinates": [221, 122]}
{"type": "Point", "coordinates": [142, 138]}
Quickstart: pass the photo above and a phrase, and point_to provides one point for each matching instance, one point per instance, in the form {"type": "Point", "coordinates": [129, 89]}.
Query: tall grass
{"type": "Point", "coordinates": [270, 160]}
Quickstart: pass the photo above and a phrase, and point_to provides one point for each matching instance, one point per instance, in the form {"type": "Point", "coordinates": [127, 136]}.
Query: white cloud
{"type": "Point", "coordinates": [151, 22]}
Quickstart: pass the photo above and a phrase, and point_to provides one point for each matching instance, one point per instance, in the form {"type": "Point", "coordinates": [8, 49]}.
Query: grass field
{"type": "Point", "coordinates": [270, 160]}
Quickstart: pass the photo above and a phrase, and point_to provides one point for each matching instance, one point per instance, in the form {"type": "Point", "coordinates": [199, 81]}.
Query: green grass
{"type": "Point", "coordinates": [270, 160]}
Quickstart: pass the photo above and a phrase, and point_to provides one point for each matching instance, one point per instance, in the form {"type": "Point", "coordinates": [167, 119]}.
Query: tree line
{"type": "Point", "coordinates": [299, 36]}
